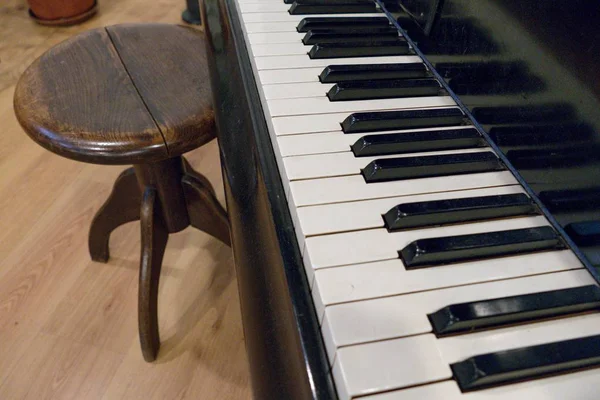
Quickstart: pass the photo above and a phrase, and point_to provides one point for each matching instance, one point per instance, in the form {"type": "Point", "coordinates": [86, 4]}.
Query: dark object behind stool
{"type": "Point", "coordinates": [131, 94]}
{"type": "Point", "coordinates": [191, 14]}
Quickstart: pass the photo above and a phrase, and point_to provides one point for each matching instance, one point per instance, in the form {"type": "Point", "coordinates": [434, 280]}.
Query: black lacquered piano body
{"type": "Point", "coordinates": [283, 342]}
{"type": "Point", "coordinates": [285, 349]}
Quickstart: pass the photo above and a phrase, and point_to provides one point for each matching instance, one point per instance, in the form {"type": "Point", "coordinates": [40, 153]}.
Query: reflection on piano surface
{"type": "Point", "coordinates": [414, 196]}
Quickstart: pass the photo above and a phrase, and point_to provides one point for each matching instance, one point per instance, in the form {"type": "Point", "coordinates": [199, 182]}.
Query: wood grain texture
{"type": "Point", "coordinates": [127, 94]}
{"type": "Point", "coordinates": [203, 208]}
{"type": "Point", "coordinates": [165, 177]}
{"type": "Point", "coordinates": [54, 298]}
{"type": "Point", "coordinates": [122, 206]}
{"type": "Point", "coordinates": [168, 66]}
{"type": "Point", "coordinates": [154, 242]}
{"type": "Point", "coordinates": [78, 101]}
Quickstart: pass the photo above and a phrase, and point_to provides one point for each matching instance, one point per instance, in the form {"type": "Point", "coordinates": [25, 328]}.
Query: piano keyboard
{"type": "Point", "coordinates": [433, 275]}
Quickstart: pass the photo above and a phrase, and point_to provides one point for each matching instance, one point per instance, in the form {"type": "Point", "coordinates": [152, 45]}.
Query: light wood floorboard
{"type": "Point", "coordinates": [68, 326]}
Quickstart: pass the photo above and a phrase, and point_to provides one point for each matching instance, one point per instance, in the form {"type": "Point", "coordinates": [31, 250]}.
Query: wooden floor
{"type": "Point", "coordinates": [68, 326]}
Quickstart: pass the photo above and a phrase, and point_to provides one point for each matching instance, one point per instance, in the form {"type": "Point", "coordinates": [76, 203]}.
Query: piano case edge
{"type": "Point", "coordinates": [285, 349]}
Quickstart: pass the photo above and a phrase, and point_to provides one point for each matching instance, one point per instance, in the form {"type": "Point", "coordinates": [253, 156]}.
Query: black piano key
{"type": "Point", "coordinates": [517, 365]}
{"type": "Point", "coordinates": [408, 119]}
{"type": "Point", "coordinates": [444, 250]}
{"type": "Point", "coordinates": [441, 212]}
{"type": "Point", "coordinates": [586, 233]}
{"type": "Point", "coordinates": [300, 7]}
{"type": "Point", "coordinates": [393, 169]}
{"type": "Point", "coordinates": [477, 315]}
{"type": "Point", "coordinates": [379, 47]}
{"type": "Point", "coordinates": [415, 142]}
{"type": "Point", "coordinates": [344, 35]}
{"type": "Point", "coordinates": [367, 90]}
{"type": "Point", "coordinates": [312, 23]}
{"type": "Point", "coordinates": [574, 199]}
{"type": "Point", "coordinates": [370, 72]}
{"type": "Point", "coordinates": [343, 29]}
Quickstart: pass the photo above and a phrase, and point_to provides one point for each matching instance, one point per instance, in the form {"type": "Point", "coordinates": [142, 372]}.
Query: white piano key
{"type": "Point", "coordinates": [274, 38]}
{"type": "Point", "coordinates": [286, 17]}
{"type": "Point", "coordinates": [447, 390]}
{"type": "Point", "coordinates": [295, 75]}
{"type": "Point", "coordinates": [379, 244]}
{"type": "Point", "coordinates": [280, 49]}
{"type": "Point", "coordinates": [300, 90]}
{"type": "Point", "coordinates": [360, 215]}
{"type": "Point", "coordinates": [296, 90]}
{"type": "Point", "coordinates": [352, 188]}
{"type": "Point", "coordinates": [389, 278]}
{"type": "Point", "coordinates": [401, 316]}
{"type": "Point", "coordinates": [333, 142]}
{"type": "Point", "coordinates": [322, 105]}
{"type": "Point", "coordinates": [264, 7]}
{"type": "Point", "coordinates": [264, 27]}
{"type": "Point", "coordinates": [302, 61]}
{"type": "Point", "coordinates": [581, 385]}
{"type": "Point", "coordinates": [258, 1]}
{"type": "Point", "coordinates": [282, 25]}
{"type": "Point", "coordinates": [299, 124]}
{"type": "Point", "coordinates": [394, 364]}
{"type": "Point", "coordinates": [381, 366]}
{"type": "Point", "coordinates": [316, 123]}
{"type": "Point", "coordinates": [345, 163]}
{"type": "Point", "coordinates": [315, 143]}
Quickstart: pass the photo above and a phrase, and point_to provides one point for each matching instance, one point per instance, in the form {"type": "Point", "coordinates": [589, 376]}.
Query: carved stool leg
{"type": "Point", "coordinates": [154, 242]}
{"type": "Point", "coordinates": [122, 206]}
{"type": "Point", "coordinates": [189, 170]}
{"type": "Point", "coordinates": [204, 209]}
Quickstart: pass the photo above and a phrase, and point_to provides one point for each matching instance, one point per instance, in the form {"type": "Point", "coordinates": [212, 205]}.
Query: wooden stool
{"type": "Point", "coordinates": [131, 94]}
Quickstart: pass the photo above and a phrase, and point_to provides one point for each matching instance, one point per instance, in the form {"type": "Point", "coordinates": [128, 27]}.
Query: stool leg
{"type": "Point", "coordinates": [154, 241]}
{"type": "Point", "coordinates": [204, 209]}
{"type": "Point", "coordinates": [122, 206]}
{"type": "Point", "coordinates": [189, 170]}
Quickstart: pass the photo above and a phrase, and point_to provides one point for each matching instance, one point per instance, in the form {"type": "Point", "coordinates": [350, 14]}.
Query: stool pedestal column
{"type": "Point", "coordinates": [165, 177]}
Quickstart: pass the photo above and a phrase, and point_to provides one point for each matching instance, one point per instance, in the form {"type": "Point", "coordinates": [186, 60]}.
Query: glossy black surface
{"type": "Point", "coordinates": [282, 336]}
{"type": "Point", "coordinates": [394, 169]}
{"type": "Point", "coordinates": [541, 48]}
{"type": "Point", "coordinates": [415, 142]}
{"type": "Point", "coordinates": [585, 233]}
{"type": "Point", "coordinates": [300, 7]}
{"type": "Point", "coordinates": [310, 23]}
{"type": "Point", "coordinates": [367, 48]}
{"type": "Point", "coordinates": [409, 119]}
{"type": "Point", "coordinates": [344, 34]}
{"type": "Point", "coordinates": [436, 251]}
{"type": "Point", "coordinates": [477, 315]}
{"type": "Point", "coordinates": [528, 72]}
{"type": "Point", "coordinates": [398, 88]}
{"type": "Point", "coordinates": [369, 72]}
{"type": "Point", "coordinates": [440, 212]}
{"type": "Point", "coordinates": [513, 366]}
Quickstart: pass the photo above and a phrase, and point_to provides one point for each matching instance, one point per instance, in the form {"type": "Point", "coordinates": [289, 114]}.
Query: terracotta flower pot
{"type": "Point", "coordinates": [61, 12]}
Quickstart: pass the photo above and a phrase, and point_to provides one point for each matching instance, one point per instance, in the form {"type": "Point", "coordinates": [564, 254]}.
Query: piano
{"type": "Point", "coordinates": [414, 191]}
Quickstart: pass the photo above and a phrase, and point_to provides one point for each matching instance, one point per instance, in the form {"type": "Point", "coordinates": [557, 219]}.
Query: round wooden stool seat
{"type": "Point", "coordinates": [125, 94]}
{"type": "Point", "coordinates": [131, 94]}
